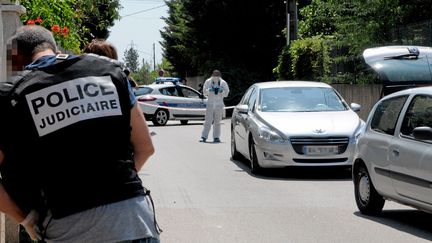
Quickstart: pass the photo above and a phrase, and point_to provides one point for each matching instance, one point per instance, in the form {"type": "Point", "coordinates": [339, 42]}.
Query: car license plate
{"type": "Point", "coordinates": [320, 150]}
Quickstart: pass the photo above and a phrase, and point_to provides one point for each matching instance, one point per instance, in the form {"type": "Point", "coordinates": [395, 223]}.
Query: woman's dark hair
{"type": "Point", "coordinates": [101, 48]}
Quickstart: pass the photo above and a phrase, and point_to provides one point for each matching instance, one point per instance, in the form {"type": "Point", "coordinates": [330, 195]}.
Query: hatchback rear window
{"type": "Point", "coordinates": [405, 70]}
{"type": "Point", "coordinates": [142, 91]}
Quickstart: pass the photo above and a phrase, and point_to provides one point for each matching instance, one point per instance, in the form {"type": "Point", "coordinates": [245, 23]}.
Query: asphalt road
{"type": "Point", "coordinates": [201, 195]}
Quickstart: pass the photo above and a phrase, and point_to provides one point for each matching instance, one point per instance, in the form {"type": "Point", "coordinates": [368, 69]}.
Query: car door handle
{"type": "Point", "coordinates": [395, 152]}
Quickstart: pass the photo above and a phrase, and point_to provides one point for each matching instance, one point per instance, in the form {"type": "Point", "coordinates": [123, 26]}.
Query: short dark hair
{"type": "Point", "coordinates": [216, 73]}
{"type": "Point", "coordinates": [126, 71]}
{"type": "Point", "coordinates": [102, 48]}
{"type": "Point", "coordinates": [31, 39]}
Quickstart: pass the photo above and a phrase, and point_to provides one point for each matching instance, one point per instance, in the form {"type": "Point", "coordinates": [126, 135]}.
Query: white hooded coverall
{"type": "Point", "coordinates": [215, 105]}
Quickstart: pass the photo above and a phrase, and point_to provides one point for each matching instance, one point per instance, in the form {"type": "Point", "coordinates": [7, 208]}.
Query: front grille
{"type": "Point", "coordinates": [298, 143]}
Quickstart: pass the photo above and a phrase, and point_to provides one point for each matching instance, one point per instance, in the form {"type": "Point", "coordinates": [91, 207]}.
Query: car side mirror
{"type": "Point", "coordinates": [355, 107]}
{"type": "Point", "coordinates": [202, 96]}
{"type": "Point", "coordinates": [242, 109]}
{"type": "Point", "coordinates": [422, 133]}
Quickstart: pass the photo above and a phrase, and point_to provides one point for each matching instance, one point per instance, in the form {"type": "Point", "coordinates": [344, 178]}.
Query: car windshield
{"type": "Point", "coordinates": [300, 99]}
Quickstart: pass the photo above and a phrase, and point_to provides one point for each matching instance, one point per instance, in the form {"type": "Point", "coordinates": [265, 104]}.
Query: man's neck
{"type": "Point", "coordinates": [47, 52]}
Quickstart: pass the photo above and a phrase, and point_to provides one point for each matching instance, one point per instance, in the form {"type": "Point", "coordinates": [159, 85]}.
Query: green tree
{"type": "Point", "coordinates": [73, 22]}
{"type": "Point", "coordinates": [310, 59]}
{"type": "Point", "coordinates": [176, 39]}
{"type": "Point", "coordinates": [414, 11]}
{"type": "Point", "coordinates": [130, 59]}
{"type": "Point", "coordinates": [317, 18]}
{"type": "Point", "coordinates": [98, 16]}
{"type": "Point", "coordinates": [58, 16]}
{"type": "Point", "coordinates": [144, 74]}
{"type": "Point", "coordinates": [241, 38]}
{"type": "Point", "coordinates": [360, 25]}
{"type": "Point", "coordinates": [355, 24]}
{"type": "Point", "coordinates": [352, 26]}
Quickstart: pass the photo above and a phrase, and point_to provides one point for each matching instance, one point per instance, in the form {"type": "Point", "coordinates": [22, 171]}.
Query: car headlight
{"type": "Point", "coordinates": [269, 135]}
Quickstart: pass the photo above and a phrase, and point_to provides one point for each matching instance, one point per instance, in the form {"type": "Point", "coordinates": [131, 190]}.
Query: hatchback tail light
{"type": "Point", "coordinates": [146, 98]}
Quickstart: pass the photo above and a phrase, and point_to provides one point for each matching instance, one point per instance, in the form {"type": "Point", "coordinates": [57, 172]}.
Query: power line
{"type": "Point", "coordinates": [142, 11]}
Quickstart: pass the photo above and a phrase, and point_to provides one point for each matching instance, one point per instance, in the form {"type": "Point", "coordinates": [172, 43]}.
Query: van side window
{"type": "Point", "coordinates": [419, 114]}
{"type": "Point", "coordinates": [386, 115]}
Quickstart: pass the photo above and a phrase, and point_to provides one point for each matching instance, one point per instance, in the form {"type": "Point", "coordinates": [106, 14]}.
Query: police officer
{"type": "Point", "coordinates": [73, 140]}
{"type": "Point", "coordinates": [216, 90]}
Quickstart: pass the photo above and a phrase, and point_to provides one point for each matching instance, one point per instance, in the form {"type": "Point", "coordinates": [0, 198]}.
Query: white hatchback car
{"type": "Point", "coordinates": [394, 155]}
{"type": "Point", "coordinates": [172, 101]}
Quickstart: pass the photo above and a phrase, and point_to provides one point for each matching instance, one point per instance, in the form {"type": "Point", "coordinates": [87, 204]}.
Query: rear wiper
{"type": "Point", "coordinates": [403, 56]}
{"type": "Point", "coordinates": [413, 54]}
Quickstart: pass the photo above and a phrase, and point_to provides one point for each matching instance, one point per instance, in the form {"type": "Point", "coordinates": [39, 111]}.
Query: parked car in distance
{"type": "Point", "coordinates": [394, 158]}
{"type": "Point", "coordinates": [294, 123]}
{"type": "Point", "coordinates": [169, 101]}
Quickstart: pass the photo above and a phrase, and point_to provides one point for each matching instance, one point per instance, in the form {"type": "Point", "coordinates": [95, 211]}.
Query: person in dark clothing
{"type": "Point", "coordinates": [63, 109]}
{"type": "Point", "coordinates": [132, 81]}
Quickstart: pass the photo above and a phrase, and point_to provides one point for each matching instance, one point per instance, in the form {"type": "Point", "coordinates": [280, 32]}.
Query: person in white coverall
{"type": "Point", "coordinates": [216, 89]}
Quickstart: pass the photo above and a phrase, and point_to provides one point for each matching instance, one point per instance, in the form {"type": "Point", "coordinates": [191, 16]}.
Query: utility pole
{"type": "Point", "coordinates": [291, 12]}
{"type": "Point", "coordinates": [154, 57]}
{"type": "Point", "coordinates": [287, 23]}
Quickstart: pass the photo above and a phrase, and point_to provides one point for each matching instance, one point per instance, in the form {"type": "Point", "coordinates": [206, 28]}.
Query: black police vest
{"type": "Point", "coordinates": [66, 137]}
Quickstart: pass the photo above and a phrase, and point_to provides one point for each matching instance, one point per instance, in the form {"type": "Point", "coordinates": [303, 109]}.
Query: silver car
{"type": "Point", "coordinates": [294, 123]}
{"type": "Point", "coordinates": [394, 159]}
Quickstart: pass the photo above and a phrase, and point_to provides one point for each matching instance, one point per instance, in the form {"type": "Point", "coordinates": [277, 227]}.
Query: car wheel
{"type": "Point", "coordinates": [184, 122]}
{"type": "Point", "coordinates": [160, 118]}
{"type": "Point", "coordinates": [234, 153]}
{"type": "Point", "coordinates": [255, 167]}
{"type": "Point", "coordinates": [367, 198]}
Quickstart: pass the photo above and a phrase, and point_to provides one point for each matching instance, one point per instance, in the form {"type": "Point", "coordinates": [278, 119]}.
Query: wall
{"type": "Point", "coordinates": [9, 22]}
{"type": "Point", "coordinates": [195, 81]}
{"type": "Point", "coordinates": [9, 15]}
{"type": "Point", "coordinates": [365, 95]}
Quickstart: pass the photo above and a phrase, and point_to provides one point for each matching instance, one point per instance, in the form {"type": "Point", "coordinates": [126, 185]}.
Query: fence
{"type": "Point", "coordinates": [353, 69]}
{"type": "Point", "coordinates": [365, 95]}
{"type": "Point", "coordinates": [413, 34]}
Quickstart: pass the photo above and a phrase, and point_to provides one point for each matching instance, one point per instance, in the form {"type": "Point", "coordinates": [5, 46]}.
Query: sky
{"type": "Point", "coordinates": [139, 27]}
